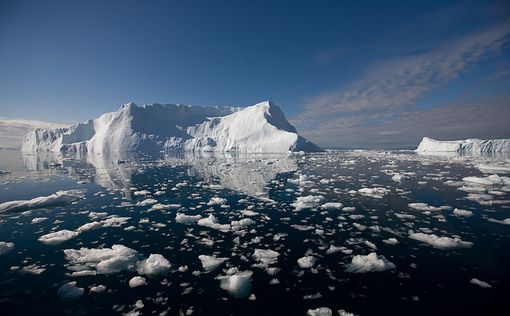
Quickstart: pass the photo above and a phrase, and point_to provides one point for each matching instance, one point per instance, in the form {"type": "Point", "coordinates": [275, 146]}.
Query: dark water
{"type": "Point", "coordinates": [426, 280]}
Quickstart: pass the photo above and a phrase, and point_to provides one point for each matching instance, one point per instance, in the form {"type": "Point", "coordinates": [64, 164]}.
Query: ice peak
{"type": "Point", "coordinates": [128, 105]}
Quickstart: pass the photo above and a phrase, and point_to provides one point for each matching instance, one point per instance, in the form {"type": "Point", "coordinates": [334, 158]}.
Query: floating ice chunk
{"type": "Point", "coordinates": [164, 207]}
{"type": "Point", "coordinates": [149, 201]}
{"type": "Point", "coordinates": [400, 177]}
{"type": "Point", "coordinates": [480, 283]}
{"type": "Point", "coordinates": [377, 192]}
{"type": "Point", "coordinates": [137, 281]}
{"type": "Point", "coordinates": [142, 192]}
{"type": "Point", "coordinates": [334, 249]}
{"type": "Point", "coordinates": [58, 237]}
{"type": "Point", "coordinates": [89, 226]}
{"type": "Point", "coordinates": [306, 262]}
{"type": "Point", "coordinates": [390, 241]}
{"type": "Point", "coordinates": [217, 201]}
{"type": "Point", "coordinates": [440, 242]}
{"type": "Point", "coordinates": [369, 263]}
{"type": "Point", "coordinates": [332, 206]}
{"type": "Point", "coordinates": [5, 247]}
{"type": "Point", "coordinates": [462, 213]}
{"type": "Point", "coordinates": [494, 168]}
{"type": "Point", "coordinates": [321, 311]}
{"type": "Point", "coordinates": [265, 257]}
{"type": "Point", "coordinates": [427, 208]}
{"type": "Point", "coordinates": [310, 201]}
{"type": "Point", "coordinates": [70, 291]}
{"type": "Point", "coordinates": [114, 221]}
{"type": "Point", "coordinates": [505, 221]}
{"type": "Point", "coordinates": [38, 220]}
{"type": "Point", "coordinates": [243, 223]}
{"type": "Point", "coordinates": [237, 284]}
{"type": "Point", "coordinates": [302, 228]}
{"type": "Point", "coordinates": [186, 219]}
{"type": "Point", "coordinates": [212, 222]}
{"type": "Point", "coordinates": [98, 289]}
{"type": "Point", "coordinates": [155, 264]}
{"type": "Point", "coordinates": [210, 263]}
{"type": "Point", "coordinates": [488, 181]}
{"type": "Point", "coordinates": [59, 198]}
{"type": "Point", "coordinates": [103, 260]}
{"type": "Point", "coordinates": [342, 312]}
{"type": "Point", "coordinates": [248, 213]}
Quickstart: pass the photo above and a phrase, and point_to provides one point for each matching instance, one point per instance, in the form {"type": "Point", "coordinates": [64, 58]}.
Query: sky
{"type": "Point", "coordinates": [347, 74]}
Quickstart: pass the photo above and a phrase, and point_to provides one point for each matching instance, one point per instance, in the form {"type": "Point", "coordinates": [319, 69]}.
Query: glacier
{"type": "Point", "coordinates": [261, 128]}
{"type": "Point", "coordinates": [468, 146]}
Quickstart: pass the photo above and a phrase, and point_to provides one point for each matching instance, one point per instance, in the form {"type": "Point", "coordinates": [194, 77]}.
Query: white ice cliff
{"type": "Point", "coordinates": [468, 146]}
{"type": "Point", "coordinates": [261, 128]}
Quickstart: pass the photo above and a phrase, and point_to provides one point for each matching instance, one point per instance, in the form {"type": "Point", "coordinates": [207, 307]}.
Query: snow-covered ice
{"type": "Point", "coordinates": [369, 263]}
{"type": "Point", "coordinates": [137, 281]}
{"type": "Point", "coordinates": [211, 263]}
{"type": "Point", "coordinates": [440, 242]}
{"type": "Point", "coordinates": [59, 198]}
{"type": "Point", "coordinates": [261, 128]}
{"type": "Point", "coordinates": [237, 284]}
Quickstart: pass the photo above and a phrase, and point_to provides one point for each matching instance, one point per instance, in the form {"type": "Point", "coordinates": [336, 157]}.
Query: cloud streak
{"type": "Point", "coordinates": [389, 91]}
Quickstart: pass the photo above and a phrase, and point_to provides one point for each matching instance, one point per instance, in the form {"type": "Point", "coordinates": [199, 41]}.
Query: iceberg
{"type": "Point", "coordinates": [261, 128]}
{"type": "Point", "coordinates": [468, 146]}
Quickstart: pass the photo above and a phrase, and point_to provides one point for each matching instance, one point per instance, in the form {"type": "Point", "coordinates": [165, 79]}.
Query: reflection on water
{"type": "Point", "coordinates": [247, 173]}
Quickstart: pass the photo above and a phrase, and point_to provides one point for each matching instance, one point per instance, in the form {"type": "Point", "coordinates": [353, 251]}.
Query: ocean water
{"type": "Point", "coordinates": [134, 200]}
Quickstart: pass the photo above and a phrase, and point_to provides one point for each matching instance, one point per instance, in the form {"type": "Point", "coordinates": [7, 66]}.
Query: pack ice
{"type": "Point", "coordinates": [261, 128]}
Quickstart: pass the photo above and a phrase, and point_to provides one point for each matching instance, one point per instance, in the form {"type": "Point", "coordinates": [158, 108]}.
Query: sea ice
{"type": "Point", "coordinates": [369, 263]}
{"type": "Point", "coordinates": [70, 291]}
{"type": "Point", "coordinates": [59, 198]}
{"type": "Point", "coordinates": [210, 263]}
{"type": "Point", "coordinates": [58, 237]}
{"type": "Point", "coordinates": [237, 284]}
{"type": "Point", "coordinates": [155, 264]}
{"type": "Point", "coordinates": [5, 247]}
{"type": "Point", "coordinates": [440, 242]}
{"type": "Point", "coordinates": [137, 281]}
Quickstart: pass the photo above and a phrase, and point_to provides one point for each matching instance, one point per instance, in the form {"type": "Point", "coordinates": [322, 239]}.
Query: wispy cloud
{"type": "Point", "coordinates": [483, 117]}
{"type": "Point", "coordinates": [390, 88]}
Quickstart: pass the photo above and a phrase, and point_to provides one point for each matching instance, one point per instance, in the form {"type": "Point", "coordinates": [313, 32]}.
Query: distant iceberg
{"type": "Point", "coordinates": [261, 128]}
{"type": "Point", "coordinates": [468, 146]}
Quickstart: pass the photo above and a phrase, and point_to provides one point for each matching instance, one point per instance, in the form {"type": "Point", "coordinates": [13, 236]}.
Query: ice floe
{"type": "Point", "coordinates": [480, 283]}
{"type": "Point", "coordinates": [237, 284]}
{"type": "Point", "coordinates": [369, 263]}
{"type": "Point", "coordinates": [102, 260]}
{"type": "Point", "coordinates": [306, 262]}
{"type": "Point", "coordinates": [137, 281]}
{"type": "Point", "coordinates": [58, 237]}
{"type": "Point", "coordinates": [70, 291]}
{"type": "Point", "coordinates": [440, 242]}
{"type": "Point", "coordinates": [5, 247]}
{"type": "Point", "coordinates": [59, 198]}
{"type": "Point", "coordinates": [211, 263]}
{"type": "Point", "coordinates": [155, 264]}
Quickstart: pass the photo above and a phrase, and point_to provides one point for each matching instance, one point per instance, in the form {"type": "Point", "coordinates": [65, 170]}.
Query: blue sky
{"type": "Point", "coordinates": [376, 74]}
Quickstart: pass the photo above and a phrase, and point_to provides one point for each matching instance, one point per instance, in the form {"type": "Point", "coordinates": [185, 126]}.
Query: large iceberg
{"type": "Point", "coordinates": [468, 146]}
{"type": "Point", "coordinates": [261, 128]}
